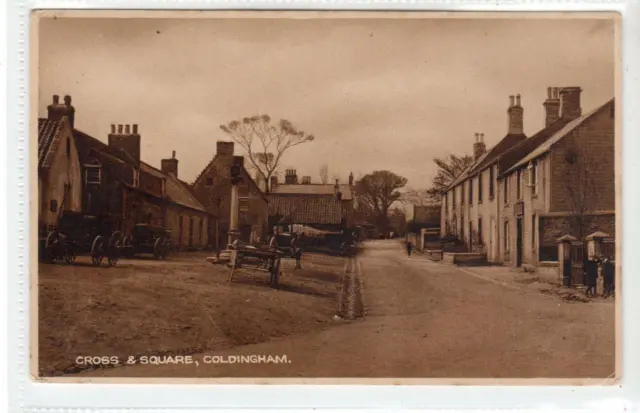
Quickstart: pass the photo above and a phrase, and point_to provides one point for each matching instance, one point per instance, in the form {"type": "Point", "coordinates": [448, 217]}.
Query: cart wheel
{"type": "Point", "coordinates": [50, 246]}
{"type": "Point", "coordinates": [69, 256]}
{"type": "Point", "coordinates": [114, 248]}
{"type": "Point", "coordinates": [274, 278]}
{"type": "Point", "coordinates": [97, 250]}
{"type": "Point", "coordinates": [157, 249]}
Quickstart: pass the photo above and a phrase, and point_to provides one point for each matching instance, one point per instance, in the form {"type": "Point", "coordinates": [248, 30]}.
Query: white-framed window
{"type": "Point", "coordinates": [532, 177]}
{"type": "Point", "coordinates": [243, 203]}
{"type": "Point", "coordinates": [93, 174]}
{"type": "Point", "coordinates": [136, 178]}
{"type": "Point", "coordinates": [506, 236]}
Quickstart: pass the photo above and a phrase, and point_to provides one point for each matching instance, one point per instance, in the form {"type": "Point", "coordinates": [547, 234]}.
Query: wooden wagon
{"type": "Point", "coordinates": [249, 258]}
{"type": "Point", "coordinates": [78, 234]}
{"type": "Point", "coordinates": [147, 239]}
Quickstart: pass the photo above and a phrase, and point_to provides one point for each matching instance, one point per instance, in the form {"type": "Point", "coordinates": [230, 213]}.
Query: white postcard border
{"type": "Point", "coordinates": [27, 395]}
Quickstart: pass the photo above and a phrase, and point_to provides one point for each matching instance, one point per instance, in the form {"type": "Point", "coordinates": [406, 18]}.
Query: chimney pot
{"type": "Point", "coordinates": [113, 128]}
{"type": "Point", "coordinates": [127, 129]}
{"type": "Point", "coordinates": [56, 99]}
{"type": "Point", "coordinates": [556, 93]}
{"type": "Point", "coordinates": [549, 93]}
{"type": "Point", "coordinates": [518, 100]}
{"type": "Point", "coordinates": [173, 155]}
{"type": "Point", "coordinates": [135, 129]}
{"type": "Point", "coordinates": [67, 100]}
{"type": "Point", "coordinates": [511, 101]}
{"type": "Point", "coordinates": [120, 129]}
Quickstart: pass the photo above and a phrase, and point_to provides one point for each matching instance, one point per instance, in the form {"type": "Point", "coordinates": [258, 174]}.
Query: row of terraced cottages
{"type": "Point", "coordinates": [519, 196]}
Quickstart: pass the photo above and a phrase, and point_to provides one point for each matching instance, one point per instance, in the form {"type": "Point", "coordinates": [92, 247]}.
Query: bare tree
{"type": "Point", "coordinates": [421, 197]}
{"type": "Point", "coordinates": [264, 142]}
{"type": "Point", "coordinates": [378, 191]}
{"type": "Point", "coordinates": [448, 170]}
{"type": "Point", "coordinates": [581, 188]}
{"type": "Point", "coordinates": [324, 174]}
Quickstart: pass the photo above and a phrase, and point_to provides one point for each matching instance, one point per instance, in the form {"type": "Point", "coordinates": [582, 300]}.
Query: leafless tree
{"type": "Point", "coordinates": [580, 185]}
{"type": "Point", "coordinates": [264, 142]}
{"type": "Point", "coordinates": [378, 191]}
{"type": "Point", "coordinates": [448, 170]}
{"type": "Point", "coordinates": [324, 174]}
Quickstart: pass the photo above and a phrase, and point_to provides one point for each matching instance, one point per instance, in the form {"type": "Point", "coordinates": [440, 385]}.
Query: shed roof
{"type": "Point", "coordinates": [313, 189]}
{"type": "Point", "coordinates": [313, 209]}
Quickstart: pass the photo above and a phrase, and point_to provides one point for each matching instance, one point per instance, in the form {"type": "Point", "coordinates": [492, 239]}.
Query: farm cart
{"type": "Point", "coordinates": [78, 234]}
{"type": "Point", "coordinates": [252, 259]}
{"type": "Point", "coordinates": [147, 239]}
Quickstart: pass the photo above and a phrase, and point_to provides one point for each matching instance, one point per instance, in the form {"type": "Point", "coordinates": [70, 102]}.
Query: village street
{"type": "Point", "coordinates": [427, 319]}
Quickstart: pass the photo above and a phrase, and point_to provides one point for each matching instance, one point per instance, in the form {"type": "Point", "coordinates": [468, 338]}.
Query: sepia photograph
{"type": "Point", "coordinates": [325, 195]}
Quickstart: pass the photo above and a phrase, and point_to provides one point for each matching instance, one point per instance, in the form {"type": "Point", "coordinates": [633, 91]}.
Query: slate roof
{"type": "Point", "coordinates": [554, 138]}
{"type": "Point", "coordinates": [491, 156]}
{"type": "Point", "coordinates": [48, 141]}
{"type": "Point", "coordinates": [177, 191]}
{"type": "Point", "coordinates": [313, 189]}
{"type": "Point", "coordinates": [312, 209]}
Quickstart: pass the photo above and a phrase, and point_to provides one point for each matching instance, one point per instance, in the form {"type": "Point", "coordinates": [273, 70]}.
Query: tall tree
{"type": "Point", "coordinates": [580, 185]}
{"type": "Point", "coordinates": [324, 174]}
{"type": "Point", "coordinates": [264, 142]}
{"type": "Point", "coordinates": [448, 170]}
{"type": "Point", "coordinates": [377, 191]}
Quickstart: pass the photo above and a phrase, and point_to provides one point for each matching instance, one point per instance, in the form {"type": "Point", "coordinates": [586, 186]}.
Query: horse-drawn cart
{"type": "Point", "coordinates": [147, 239]}
{"type": "Point", "coordinates": [252, 259]}
{"type": "Point", "coordinates": [79, 234]}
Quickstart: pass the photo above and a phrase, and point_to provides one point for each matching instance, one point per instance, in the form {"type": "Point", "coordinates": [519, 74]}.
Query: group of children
{"type": "Point", "coordinates": [607, 266]}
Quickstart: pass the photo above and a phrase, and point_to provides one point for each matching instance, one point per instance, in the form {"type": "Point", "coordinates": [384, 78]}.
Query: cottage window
{"type": "Point", "coordinates": [136, 178]}
{"type": "Point", "coordinates": [479, 231]}
{"type": "Point", "coordinates": [506, 235]}
{"type": "Point", "coordinates": [480, 188]}
{"type": "Point", "coordinates": [518, 184]}
{"type": "Point", "coordinates": [491, 179]}
{"type": "Point", "coordinates": [93, 174]}
{"type": "Point", "coordinates": [471, 191]}
{"type": "Point", "coordinates": [453, 197]}
{"type": "Point", "coordinates": [532, 168]}
{"type": "Point", "coordinates": [53, 206]}
{"type": "Point", "coordinates": [533, 232]}
{"type": "Point", "coordinates": [506, 189]}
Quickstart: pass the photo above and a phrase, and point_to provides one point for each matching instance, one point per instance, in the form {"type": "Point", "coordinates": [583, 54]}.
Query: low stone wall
{"type": "Point", "coordinates": [434, 255]}
{"type": "Point", "coordinates": [465, 258]}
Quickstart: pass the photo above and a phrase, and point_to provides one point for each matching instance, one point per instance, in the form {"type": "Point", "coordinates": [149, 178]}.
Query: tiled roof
{"type": "Point", "coordinates": [556, 137]}
{"type": "Point", "coordinates": [312, 189]}
{"type": "Point", "coordinates": [491, 156]}
{"type": "Point", "coordinates": [48, 130]}
{"type": "Point", "coordinates": [177, 191]}
{"type": "Point", "coordinates": [515, 154]}
{"type": "Point", "coordinates": [310, 209]}
{"type": "Point", "coordinates": [86, 144]}
{"type": "Point", "coordinates": [245, 175]}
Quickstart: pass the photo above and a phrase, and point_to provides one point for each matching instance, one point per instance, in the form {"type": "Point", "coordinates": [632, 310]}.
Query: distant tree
{"type": "Point", "coordinates": [324, 174]}
{"type": "Point", "coordinates": [448, 170]}
{"type": "Point", "coordinates": [264, 142]}
{"type": "Point", "coordinates": [580, 185]}
{"type": "Point", "coordinates": [378, 191]}
{"type": "Point", "coordinates": [398, 221]}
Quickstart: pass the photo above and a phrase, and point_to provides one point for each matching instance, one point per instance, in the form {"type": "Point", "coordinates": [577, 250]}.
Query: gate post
{"type": "Point", "coordinates": [564, 259]}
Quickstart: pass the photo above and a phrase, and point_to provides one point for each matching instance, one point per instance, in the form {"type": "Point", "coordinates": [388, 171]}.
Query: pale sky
{"type": "Point", "coordinates": [377, 94]}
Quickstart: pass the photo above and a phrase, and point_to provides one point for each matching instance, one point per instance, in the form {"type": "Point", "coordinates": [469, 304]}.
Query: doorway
{"type": "Point", "coordinates": [518, 242]}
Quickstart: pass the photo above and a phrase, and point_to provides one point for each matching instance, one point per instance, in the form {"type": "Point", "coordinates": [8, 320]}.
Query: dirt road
{"type": "Point", "coordinates": [426, 319]}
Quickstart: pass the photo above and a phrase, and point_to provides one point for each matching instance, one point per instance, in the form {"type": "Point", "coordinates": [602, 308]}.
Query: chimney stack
{"type": "Point", "coordinates": [570, 103]}
{"type": "Point", "coordinates": [170, 166]}
{"type": "Point", "coordinates": [479, 147]}
{"type": "Point", "coordinates": [57, 111]}
{"type": "Point", "coordinates": [224, 149]}
{"type": "Point", "coordinates": [135, 129]}
{"type": "Point", "coordinates": [125, 142]}
{"type": "Point", "coordinates": [515, 116]}
{"type": "Point", "coordinates": [291, 176]}
{"type": "Point", "coordinates": [551, 106]}
{"type": "Point", "coordinates": [274, 182]}
{"type": "Point", "coordinates": [350, 178]}
{"type": "Point", "coordinates": [306, 180]}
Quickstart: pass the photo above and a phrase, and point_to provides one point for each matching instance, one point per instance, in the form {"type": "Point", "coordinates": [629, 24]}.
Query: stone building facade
{"type": "Point", "coordinates": [110, 181]}
{"type": "Point", "coordinates": [212, 188]}
{"type": "Point", "coordinates": [59, 172]}
{"type": "Point", "coordinates": [534, 187]}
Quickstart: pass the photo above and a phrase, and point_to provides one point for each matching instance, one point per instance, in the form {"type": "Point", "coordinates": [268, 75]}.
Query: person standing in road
{"type": "Point", "coordinates": [409, 248]}
{"type": "Point", "coordinates": [608, 275]}
{"type": "Point", "coordinates": [591, 270]}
